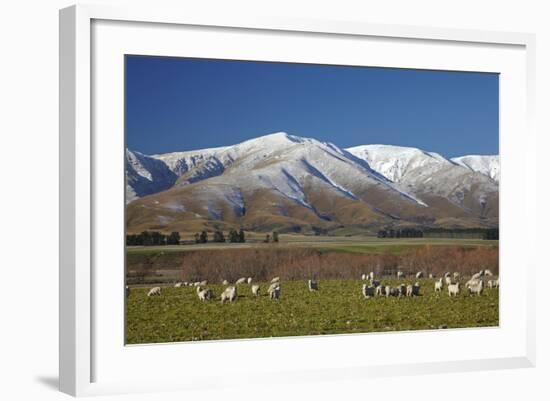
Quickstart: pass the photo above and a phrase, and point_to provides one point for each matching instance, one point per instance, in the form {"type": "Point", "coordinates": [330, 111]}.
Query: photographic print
{"type": "Point", "coordinates": [271, 199]}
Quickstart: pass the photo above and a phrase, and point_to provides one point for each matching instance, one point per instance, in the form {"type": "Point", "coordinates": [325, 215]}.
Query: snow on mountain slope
{"type": "Point", "coordinates": [146, 175]}
{"type": "Point", "coordinates": [395, 162]}
{"type": "Point", "coordinates": [486, 165]}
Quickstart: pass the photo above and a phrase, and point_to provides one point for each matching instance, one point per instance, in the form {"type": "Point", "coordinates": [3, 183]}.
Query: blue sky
{"type": "Point", "coordinates": [176, 104]}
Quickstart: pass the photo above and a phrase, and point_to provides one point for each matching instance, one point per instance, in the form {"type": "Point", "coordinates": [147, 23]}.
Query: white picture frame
{"type": "Point", "coordinates": [81, 210]}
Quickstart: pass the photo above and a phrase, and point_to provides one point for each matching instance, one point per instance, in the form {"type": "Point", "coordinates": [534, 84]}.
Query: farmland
{"type": "Point", "coordinates": [338, 307]}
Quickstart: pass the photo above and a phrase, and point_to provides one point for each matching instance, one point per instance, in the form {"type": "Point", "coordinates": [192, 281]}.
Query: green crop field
{"type": "Point", "coordinates": [339, 307]}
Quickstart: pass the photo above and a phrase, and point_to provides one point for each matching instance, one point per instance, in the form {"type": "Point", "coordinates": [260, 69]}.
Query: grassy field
{"type": "Point", "coordinates": [339, 307]}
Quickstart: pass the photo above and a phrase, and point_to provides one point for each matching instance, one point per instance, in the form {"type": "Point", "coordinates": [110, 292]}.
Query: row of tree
{"type": "Point", "coordinates": [149, 238]}
{"type": "Point", "coordinates": [477, 233]}
{"type": "Point", "coordinates": [233, 236]}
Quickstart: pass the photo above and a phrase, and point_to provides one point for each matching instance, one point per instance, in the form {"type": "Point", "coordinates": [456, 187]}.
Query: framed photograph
{"type": "Point", "coordinates": [274, 187]}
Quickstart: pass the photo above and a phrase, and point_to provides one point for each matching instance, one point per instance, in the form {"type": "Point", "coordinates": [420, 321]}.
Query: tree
{"type": "Point", "coordinates": [218, 236]}
{"type": "Point", "coordinates": [241, 236]}
{"type": "Point", "coordinates": [267, 238]}
{"type": "Point", "coordinates": [275, 236]}
{"type": "Point", "coordinates": [233, 236]}
{"type": "Point", "coordinates": [204, 237]}
{"type": "Point", "coordinates": [197, 238]}
{"type": "Point", "coordinates": [173, 238]}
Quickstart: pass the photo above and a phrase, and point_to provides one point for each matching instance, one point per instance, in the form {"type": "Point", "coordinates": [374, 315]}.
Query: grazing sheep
{"type": "Point", "coordinates": [409, 290]}
{"type": "Point", "coordinates": [196, 283]}
{"type": "Point", "coordinates": [178, 284]}
{"type": "Point", "coordinates": [380, 290]}
{"type": "Point", "coordinates": [256, 290]}
{"type": "Point", "coordinates": [400, 274]}
{"type": "Point", "coordinates": [419, 275]}
{"type": "Point", "coordinates": [368, 291]}
{"type": "Point", "coordinates": [155, 291]}
{"type": "Point", "coordinates": [431, 275]}
{"type": "Point", "coordinates": [313, 285]}
{"type": "Point", "coordinates": [242, 280]}
{"type": "Point", "coordinates": [225, 282]}
{"type": "Point", "coordinates": [185, 284]}
{"type": "Point", "coordinates": [456, 275]}
{"type": "Point", "coordinates": [402, 290]}
{"type": "Point", "coordinates": [492, 284]}
{"type": "Point", "coordinates": [363, 276]}
{"type": "Point", "coordinates": [454, 289]}
{"type": "Point", "coordinates": [229, 294]}
{"type": "Point", "coordinates": [275, 280]}
{"type": "Point", "coordinates": [476, 288]}
{"type": "Point", "coordinates": [487, 272]}
{"type": "Point", "coordinates": [375, 283]}
{"type": "Point", "coordinates": [127, 291]}
{"type": "Point", "coordinates": [447, 274]}
{"type": "Point", "coordinates": [203, 283]}
{"type": "Point", "coordinates": [448, 280]}
{"type": "Point", "coordinates": [249, 280]}
{"type": "Point", "coordinates": [204, 294]}
{"type": "Point", "coordinates": [416, 289]}
{"type": "Point", "coordinates": [274, 291]}
{"type": "Point", "coordinates": [438, 286]}
{"type": "Point", "coordinates": [472, 282]}
{"type": "Point", "coordinates": [371, 276]}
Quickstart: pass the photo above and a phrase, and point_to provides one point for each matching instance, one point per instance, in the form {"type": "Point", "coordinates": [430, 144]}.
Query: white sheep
{"type": "Point", "coordinates": [275, 280]}
{"type": "Point", "coordinates": [363, 276]}
{"type": "Point", "coordinates": [487, 272]}
{"type": "Point", "coordinates": [400, 274]}
{"type": "Point", "coordinates": [368, 291]}
{"type": "Point", "coordinates": [196, 283]}
{"type": "Point", "coordinates": [242, 280]}
{"type": "Point", "coordinates": [274, 291]}
{"type": "Point", "coordinates": [313, 285]}
{"type": "Point", "coordinates": [477, 276]}
{"type": "Point", "coordinates": [438, 286]}
{"type": "Point", "coordinates": [456, 275]}
{"type": "Point", "coordinates": [409, 290]}
{"type": "Point", "coordinates": [203, 283]}
{"type": "Point", "coordinates": [249, 280]}
{"type": "Point", "coordinates": [371, 276]}
{"type": "Point", "coordinates": [256, 290]}
{"type": "Point", "coordinates": [448, 280]}
{"type": "Point", "coordinates": [178, 284]}
{"type": "Point", "coordinates": [204, 293]}
{"type": "Point", "coordinates": [454, 289]}
{"type": "Point", "coordinates": [491, 284]}
{"type": "Point", "coordinates": [155, 291]}
{"type": "Point", "coordinates": [431, 276]}
{"type": "Point", "coordinates": [229, 294]}
{"type": "Point", "coordinates": [447, 274]}
{"type": "Point", "coordinates": [225, 282]}
{"type": "Point", "coordinates": [476, 288]}
{"type": "Point", "coordinates": [419, 275]}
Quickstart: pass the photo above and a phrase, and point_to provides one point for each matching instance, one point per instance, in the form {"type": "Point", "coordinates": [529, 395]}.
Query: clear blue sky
{"type": "Point", "coordinates": [176, 104]}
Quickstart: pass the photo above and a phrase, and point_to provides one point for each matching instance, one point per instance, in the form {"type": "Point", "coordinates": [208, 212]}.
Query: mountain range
{"type": "Point", "coordinates": [295, 184]}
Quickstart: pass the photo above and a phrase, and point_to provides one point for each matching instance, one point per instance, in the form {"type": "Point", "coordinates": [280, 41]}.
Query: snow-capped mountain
{"type": "Point", "coordinates": [289, 182]}
{"type": "Point", "coordinates": [146, 175]}
{"type": "Point", "coordinates": [487, 165]}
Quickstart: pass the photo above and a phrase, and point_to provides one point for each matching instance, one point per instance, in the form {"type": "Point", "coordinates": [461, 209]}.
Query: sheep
{"type": "Point", "coordinates": [487, 272]}
{"type": "Point", "coordinates": [249, 280]}
{"type": "Point", "coordinates": [380, 290]}
{"type": "Point", "coordinates": [448, 280]}
{"type": "Point", "coordinates": [363, 276]}
{"type": "Point", "coordinates": [185, 284]}
{"type": "Point", "coordinates": [225, 282]}
{"type": "Point", "coordinates": [476, 276]}
{"type": "Point", "coordinates": [472, 282]}
{"type": "Point", "coordinates": [275, 280]}
{"type": "Point", "coordinates": [256, 290]}
{"type": "Point", "coordinates": [419, 275]}
{"type": "Point", "coordinates": [196, 283]}
{"type": "Point", "coordinates": [454, 289]}
{"type": "Point", "coordinates": [371, 276]}
{"type": "Point", "coordinates": [375, 283]}
{"type": "Point", "coordinates": [313, 285]}
{"type": "Point", "coordinates": [368, 291]}
{"type": "Point", "coordinates": [155, 291]}
{"type": "Point", "coordinates": [229, 294]}
{"type": "Point", "coordinates": [431, 276]}
{"type": "Point", "coordinates": [203, 283]}
{"type": "Point", "coordinates": [204, 294]}
{"type": "Point", "coordinates": [400, 274]}
{"type": "Point", "coordinates": [178, 284]}
{"type": "Point", "coordinates": [274, 291]}
{"type": "Point", "coordinates": [242, 280]}
{"type": "Point", "coordinates": [456, 275]}
{"type": "Point", "coordinates": [447, 274]}
{"type": "Point", "coordinates": [416, 289]}
{"type": "Point", "coordinates": [402, 290]}
{"type": "Point", "coordinates": [409, 290]}
{"type": "Point", "coordinates": [491, 284]}
{"type": "Point", "coordinates": [476, 288]}
{"type": "Point", "coordinates": [438, 286]}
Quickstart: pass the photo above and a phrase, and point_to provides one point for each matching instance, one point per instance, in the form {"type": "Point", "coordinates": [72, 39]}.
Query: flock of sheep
{"type": "Point", "coordinates": [374, 287]}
